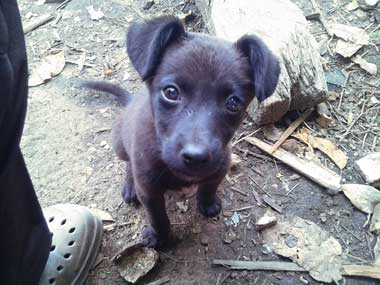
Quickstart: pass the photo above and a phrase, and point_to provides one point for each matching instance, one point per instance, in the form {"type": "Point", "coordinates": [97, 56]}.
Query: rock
{"type": "Point", "coordinates": [204, 240]}
{"type": "Point", "coordinates": [369, 167]}
{"type": "Point", "coordinates": [368, 4]}
{"type": "Point", "coordinates": [363, 197]}
{"type": "Point", "coordinates": [323, 217]}
{"type": "Point", "coordinates": [268, 220]}
{"type": "Point", "coordinates": [283, 27]}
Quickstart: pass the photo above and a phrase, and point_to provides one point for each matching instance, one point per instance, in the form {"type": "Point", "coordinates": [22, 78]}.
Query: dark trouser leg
{"type": "Point", "coordinates": [24, 236]}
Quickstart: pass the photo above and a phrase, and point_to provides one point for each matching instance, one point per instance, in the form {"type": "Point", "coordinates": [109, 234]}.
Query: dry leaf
{"type": "Point", "coordinates": [50, 66]}
{"type": "Point", "coordinates": [135, 262]}
{"type": "Point", "coordinates": [308, 245]}
{"type": "Point", "coordinates": [272, 133]}
{"type": "Point", "coordinates": [351, 39]}
{"type": "Point", "coordinates": [350, 34]}
{"type": "Point", "coordinates": [371, 68]}
{"type": "Point", "coordinates": [102, 215]}
{"type": "Point", "coordinates": [324, 145]}
{"type": "Point", "coordinates": [363, 197]}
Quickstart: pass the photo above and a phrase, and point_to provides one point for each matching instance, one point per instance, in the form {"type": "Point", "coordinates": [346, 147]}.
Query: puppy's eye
{"type": "Point", "coordinates": [233, 104]}
{"type": "Point", "coordinates": [170, 93]}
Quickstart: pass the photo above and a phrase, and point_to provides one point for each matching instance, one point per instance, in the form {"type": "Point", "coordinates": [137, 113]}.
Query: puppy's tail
{"type": "Point", "coordinates": [122, 95]}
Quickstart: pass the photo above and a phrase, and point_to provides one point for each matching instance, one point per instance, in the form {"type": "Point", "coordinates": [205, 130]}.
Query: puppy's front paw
{"type": "Point", "coordinates": [210, 210]}
{"type": "Point", "coordinates": [129, 194]}
{"type": "Point", "coordinates": [152, 239]}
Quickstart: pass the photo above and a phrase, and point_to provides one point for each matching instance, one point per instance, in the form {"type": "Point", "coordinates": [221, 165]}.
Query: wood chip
{"type": "Point", "coordinates": [375, 221]}
{"type": "Point", "coordinates": [291, 129]}
{"type": "Point", "coordinates": [258, 265]}
{"type": "Point", "coordinates": [319, 174]}
{"type": "Point", "coordinates": [38, 22]}
{"type": "Point", "coordinates": [268, 220]}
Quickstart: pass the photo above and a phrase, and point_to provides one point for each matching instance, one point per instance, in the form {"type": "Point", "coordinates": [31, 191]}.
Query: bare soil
{"type": "Point", "coordinates": [67, 143]}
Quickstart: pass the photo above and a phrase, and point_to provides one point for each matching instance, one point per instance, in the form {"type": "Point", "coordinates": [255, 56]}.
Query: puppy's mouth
{"type": "Point", "coordinates": [194, 175]}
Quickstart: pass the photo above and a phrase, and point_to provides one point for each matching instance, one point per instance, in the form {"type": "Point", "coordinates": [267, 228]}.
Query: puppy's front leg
{"type": "Point", "coordinates": [157, 234]}
{"type": "Point", "coordinates": [208, 203]}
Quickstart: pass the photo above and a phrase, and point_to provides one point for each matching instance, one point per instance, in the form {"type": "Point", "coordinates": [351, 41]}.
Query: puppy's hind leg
{"type": "Point", "coordinates": [129, 192]}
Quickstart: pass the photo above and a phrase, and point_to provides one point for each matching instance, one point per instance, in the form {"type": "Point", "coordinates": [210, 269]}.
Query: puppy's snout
{"type": "Point", "coordinates": [195, 155]}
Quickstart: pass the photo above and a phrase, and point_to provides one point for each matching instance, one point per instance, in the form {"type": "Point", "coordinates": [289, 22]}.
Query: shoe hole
{"type": "Point", "coordinates": [71, 243]}
{"type": "Point", "coordinates": [71, 230]}
{"type": "Point", "coordinates": [51, 219]}
{"type": "Point", "coordinates": [63, 222]}
{"type": "Point", "coordinates": [51, 281]}
{"type": "Point", "coordinates": [67, 255]}
{"type": "Point", "coordinates": [59, 268]}
{"type": "Point", "coordinates": [52, 248]}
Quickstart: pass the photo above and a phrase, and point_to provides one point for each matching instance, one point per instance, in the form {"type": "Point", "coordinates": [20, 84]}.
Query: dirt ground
{"type": "Point", "coordinates": [67, 149]}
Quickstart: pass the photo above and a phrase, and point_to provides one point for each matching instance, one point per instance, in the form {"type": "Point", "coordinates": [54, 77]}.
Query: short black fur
{"type": "Point", "coordinates": [177, 131]}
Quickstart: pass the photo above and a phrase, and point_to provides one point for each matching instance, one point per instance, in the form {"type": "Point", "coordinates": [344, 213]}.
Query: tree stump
{"type": "Point", "coordinates": [283, 27]}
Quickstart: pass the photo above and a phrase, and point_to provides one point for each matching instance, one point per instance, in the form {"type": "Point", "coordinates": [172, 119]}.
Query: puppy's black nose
{"type": "Point", "coordinates": [195, 155]}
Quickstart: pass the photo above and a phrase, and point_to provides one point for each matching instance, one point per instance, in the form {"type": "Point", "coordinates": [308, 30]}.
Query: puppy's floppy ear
{"type": "Point", "coordinates": [147, 41]}
{"type": "Point", "coordinates": [265, 68]}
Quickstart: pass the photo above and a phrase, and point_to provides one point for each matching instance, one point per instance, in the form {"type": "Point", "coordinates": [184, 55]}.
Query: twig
{"type": "Point", "coordinates": [291, 129]}
{"type": "Point", "coordinates": [62, 5]}
{"type": "Point", "coordinates": [160, 281]}
{"type": "Point", "coordinates": [353, 123]}
{"type": "Point", "coordinates": [247, 136]}
{"type": "Point", "coordinates": [259, 265]}
{"type": "Point", "coordinates": [322, 18]}
{"type": "Point", "coordinates": [242, 209]}
{"type": "Point", "coordinates": [39, 22]}
{"type": "Point", "coordinates": [239, 191]}
{"type": "Point", "coordinates": [348, 269]}
{"type": "Point", "coordinates": [342, 92]}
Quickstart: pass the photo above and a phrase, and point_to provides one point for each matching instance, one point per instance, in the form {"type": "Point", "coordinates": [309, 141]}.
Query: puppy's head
{"type": "Point", "coordinates": [200, 87]}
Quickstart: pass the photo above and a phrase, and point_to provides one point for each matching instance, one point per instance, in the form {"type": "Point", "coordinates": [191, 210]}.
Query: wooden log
{"type": "Point", "coordinates": [38, 22]}
{"type": "Point", "coordinates": [317, 173]}
{"type": "Point", "coordinates": [283, 27]}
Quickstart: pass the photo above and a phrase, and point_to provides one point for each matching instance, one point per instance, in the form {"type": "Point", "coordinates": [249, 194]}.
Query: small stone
{"type": "Point", "coordinates": [235, 161]}
{"type": "Point", "coordinates": [369, 167]}
{"type": "Point", "coordinates": [148, 4]}
{"type": "Point", "coordinates": [234, 274]}
{"type": "Point", "coordinates": [204, 240]}
{"type": "Point", "coordinates": [267, 249]}
{"type": "Point", "coordinates": [229, 237]}
{"type": "Point", "coordinates": [235, 219]}
{"type": "Point", "coordinates": [182, 206]}
{"type": "Point", "coordinates": [294, 177]}
{"type": "Point", "coordinates": [268, 220]}
{"type": "Point", "coordinates": [323, 217]}
{"type": "Point", "coordinates": [103, 143]}
{"type": "Point", "coordinates": [291, 241]}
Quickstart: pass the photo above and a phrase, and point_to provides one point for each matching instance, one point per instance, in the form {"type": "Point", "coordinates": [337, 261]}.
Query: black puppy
{"type": "Point", "coordinates": [177, 131]}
